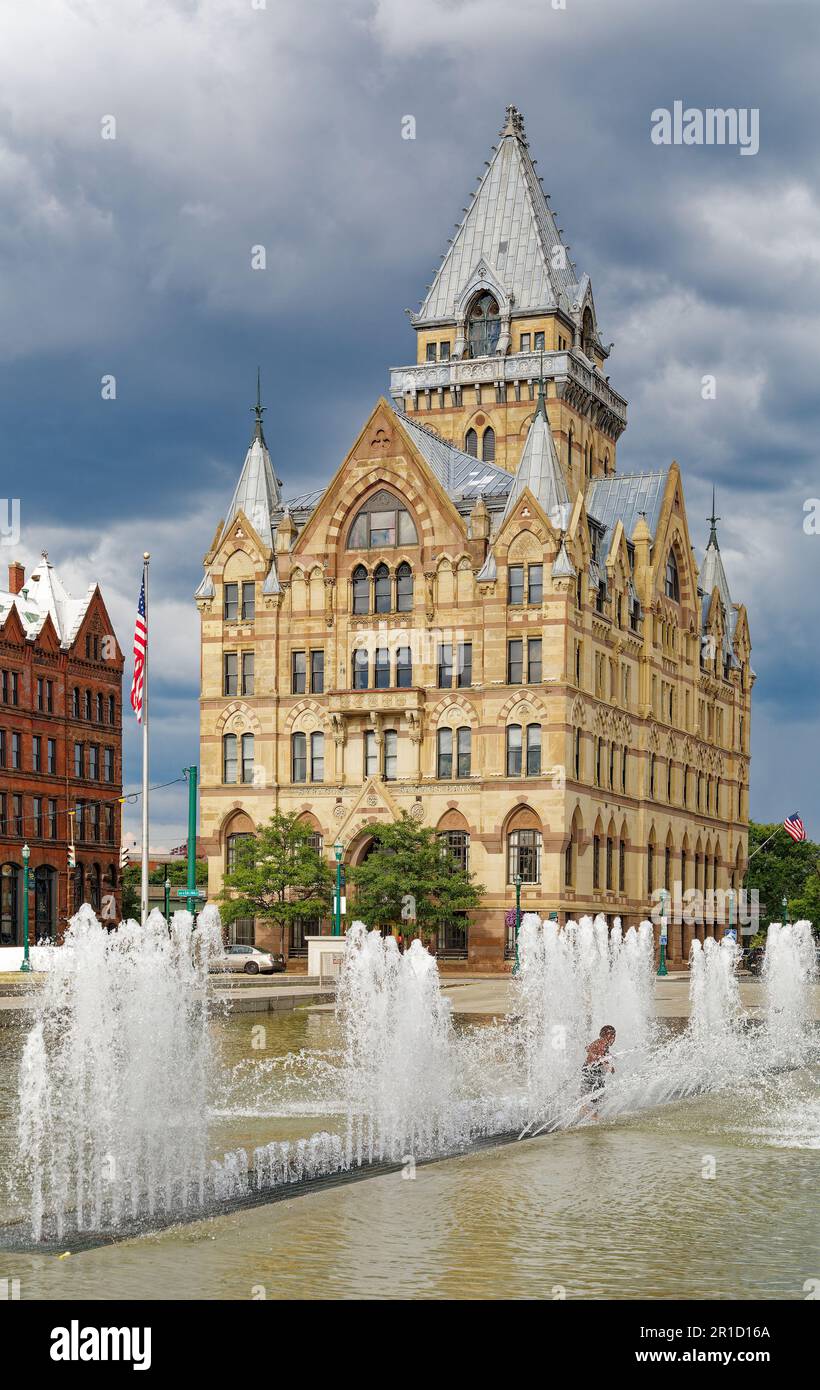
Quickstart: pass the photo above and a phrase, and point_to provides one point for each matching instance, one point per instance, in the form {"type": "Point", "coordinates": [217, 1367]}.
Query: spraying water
{"type": "Point", "coordinates": [118, 1071]}
{"type": "Point", "coordinates": [116, 1074]}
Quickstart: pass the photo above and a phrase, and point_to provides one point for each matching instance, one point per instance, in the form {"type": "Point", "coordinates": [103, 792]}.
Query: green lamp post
{"type": "Point", "coordinates": [26, 963]}
{"type": "Point", "coordinates": [168, 900]}
{"type": "Point", "coordinates": [338, 850]}
{"type": "Point", "coordinates": [517, 882]}
{"type": "Point", "coordinates": [662, 970]}
{"type": "Point", "coordinates": [785, 907]}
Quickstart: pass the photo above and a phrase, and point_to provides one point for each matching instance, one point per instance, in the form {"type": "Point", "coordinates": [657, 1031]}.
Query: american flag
{"type": "Point", "coordinates": [140, 643]}
{"type": "Point", "coordinates": [794, 826]}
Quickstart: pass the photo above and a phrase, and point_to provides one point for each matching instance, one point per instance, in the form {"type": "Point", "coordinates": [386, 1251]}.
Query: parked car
{"type": "Point", "coordinates": [252, 961]}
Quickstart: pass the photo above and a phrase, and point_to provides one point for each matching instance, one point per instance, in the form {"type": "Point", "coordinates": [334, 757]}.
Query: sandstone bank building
{"type": "Point", "coordinates": [482, 619]}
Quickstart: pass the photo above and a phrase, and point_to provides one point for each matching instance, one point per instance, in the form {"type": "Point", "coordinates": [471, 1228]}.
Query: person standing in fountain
{"type": "Point", "coordinates": [598, 1063]}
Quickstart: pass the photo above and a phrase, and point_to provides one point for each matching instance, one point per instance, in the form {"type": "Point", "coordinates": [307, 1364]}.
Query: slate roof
{"type": "Point", "coordinates": [510, 226]}
{"type": "Point", "coordinates": [540, 470]}
{"type": "Point", "coordinates": [257, 492]}
{"type": "Point", "coordinates": [624, 496]}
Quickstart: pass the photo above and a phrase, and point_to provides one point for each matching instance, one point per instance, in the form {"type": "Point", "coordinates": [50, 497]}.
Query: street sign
{"type": "Point", "coordinates": [191, 893]}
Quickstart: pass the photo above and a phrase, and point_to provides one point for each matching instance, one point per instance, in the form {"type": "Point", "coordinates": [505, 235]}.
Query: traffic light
{"type": "Point", "coordinates": [124, 857]}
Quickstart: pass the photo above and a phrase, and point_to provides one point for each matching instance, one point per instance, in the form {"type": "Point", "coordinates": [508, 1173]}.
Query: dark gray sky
{"type": "Point", "coordinates": [282, 126]}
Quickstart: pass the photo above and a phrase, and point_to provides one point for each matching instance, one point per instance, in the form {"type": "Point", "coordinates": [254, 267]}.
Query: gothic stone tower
{"type": "Point", "coordinates": [505, 305]}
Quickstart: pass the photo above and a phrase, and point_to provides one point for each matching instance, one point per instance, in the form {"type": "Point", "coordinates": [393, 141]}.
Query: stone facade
{"type": "Point", "coordinates": [550, 680]}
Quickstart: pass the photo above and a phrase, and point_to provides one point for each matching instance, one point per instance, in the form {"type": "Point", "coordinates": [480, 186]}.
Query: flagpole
{"type": "Point", "coordinates": [146, 559]}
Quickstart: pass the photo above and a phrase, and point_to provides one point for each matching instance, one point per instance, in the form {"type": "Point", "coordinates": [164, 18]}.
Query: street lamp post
{"type": "Point", "coordinates": [662, 970]}
{"type": "Point", "coordinates": [168, 900]}
{"type": "Point", "coordinates": [338, 850]}
{"type": "Point", "coordinates": [517, 882]}
{"type": "Point", "coordinates": [785, 908]}
{"type": "Point", "coordinates": [26, 963]}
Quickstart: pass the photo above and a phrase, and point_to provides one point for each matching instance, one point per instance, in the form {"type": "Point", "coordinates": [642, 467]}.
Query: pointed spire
{"type": "Point", "coordinates": [713, 521]}
{"type": "Point", "coordinates": [509, 208]}
{"type": "Point", "coordinates": [540, 471]}
{"type": "Point", "coordinates": [257, 492]}
{"type": "Point", "coordinates": [259, 409]}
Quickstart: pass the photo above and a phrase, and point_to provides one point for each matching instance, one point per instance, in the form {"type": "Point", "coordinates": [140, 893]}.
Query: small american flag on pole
{"type": "Point", "coordinates": [794, 826]}
{"type": "Point", "coordinates": [140, 643]}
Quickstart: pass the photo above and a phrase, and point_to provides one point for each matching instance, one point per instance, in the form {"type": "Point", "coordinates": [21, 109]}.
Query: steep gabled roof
{"type": "Point", "coordinates": [510, 229]}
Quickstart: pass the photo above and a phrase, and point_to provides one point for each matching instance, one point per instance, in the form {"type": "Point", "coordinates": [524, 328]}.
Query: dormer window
{"type": "Point", "coordinates": [383, 521]}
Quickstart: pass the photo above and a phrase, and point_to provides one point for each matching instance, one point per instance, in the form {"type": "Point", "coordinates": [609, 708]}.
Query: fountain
{"type": "Point", "coordinates": [119, 1069]}
{"type": "Point", "coordinates": [116, 1074]}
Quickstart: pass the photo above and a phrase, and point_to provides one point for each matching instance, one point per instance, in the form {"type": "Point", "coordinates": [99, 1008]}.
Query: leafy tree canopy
{"type": "Point", "coordinates": [278, 875]}
{"type": "Point", "coordinates": [784, 869]}
{"type": "Point", "coordinates": [410, 869]}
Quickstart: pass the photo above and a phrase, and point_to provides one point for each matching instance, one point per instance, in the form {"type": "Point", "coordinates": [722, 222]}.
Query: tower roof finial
{"type": "Point", "coordinates": [259, 408]}
{"type": "Point", "coordinates": [713, 520]}
{"type": "Point", "coordinates": [513, 124]}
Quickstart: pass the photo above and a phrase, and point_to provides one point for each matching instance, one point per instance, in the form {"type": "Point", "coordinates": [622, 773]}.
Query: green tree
{"type": "Point", "coordinates": [278, 876]}
{"type": "Point", "coordinates": [783, 869]}
{"type": "Point", "coordinates": [409, 871]}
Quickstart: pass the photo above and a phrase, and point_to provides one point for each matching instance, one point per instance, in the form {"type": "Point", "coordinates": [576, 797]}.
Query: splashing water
{"type": "Point", "coordinates": [119, 1069]}
{"type": "Point", "coordinates": [116, 1073]}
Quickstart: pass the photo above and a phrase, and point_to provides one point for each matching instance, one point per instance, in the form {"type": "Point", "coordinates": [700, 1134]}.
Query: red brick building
{"type": "Point", "coordinates": [60, 753]}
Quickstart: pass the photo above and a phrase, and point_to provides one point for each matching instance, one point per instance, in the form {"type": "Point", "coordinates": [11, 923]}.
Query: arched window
{"type": "Point", "coordinates": [524, 856]}
{"type": "Point", "coordinates": [383, 521]}
{"type": "Point", "coordinates": [360, 668]}
{"type": "Point", "coordinates": [652, 774]}
{"type": "Point", "coordinates": [488, 445]}
{"type": "Point", "coordinates": [232, 849]}
{"type": "Point", "coordinates": [483, 326]}
{"type": "Point", "coordinates": [596, 861]}
{"type": "Point", "coordinates": [444, 753]}
{"type": "Point", "coordinates": [382, 587]}
{"type": "Point", "coordinates": [456, 843]}
{"type": "Point", "coordinates": [229, 757]}
{"type": "Point", "coordinates": [471, 443]}
{"type": "Point", "coordinates": [100, 708]}
{"type": "Point", "coordinates": [587, 333]}
{"type": "Point", "coordinates": [247, 757]}
{"type": "Point", "coordinates": [569, 452]}
{"type": "Point", "coordinates": [298, 757]}
{"type": "Point", "coordinates": [94, 885]}
{"type": "Point", "coordinates": [569, 862]}
{"type": "Point", "coordinates": [404, 588]}
{"type": "Point", "coordinates": [577, 754]}
{"type": "Point", "coordinates": [11, 896]}
{"type": "Point", "coordinates": [622, 863]}
{"type": "Point", "coordinates": [513, 750]}
{"type": "Point", "coordinates": [317, 757]}
{"type": "Point", "coordinates": [45, 901]}
{"type": "Point", "coordinates": [667, 868]}
{"type": "Point", "coordinates": [624, 766]}
{"type": "Point", "coordinates": [672, 583]}
{"type": "Point", "coordinates": [650, 867]}
{"type": "Point", "coordinates": [361, 590]}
